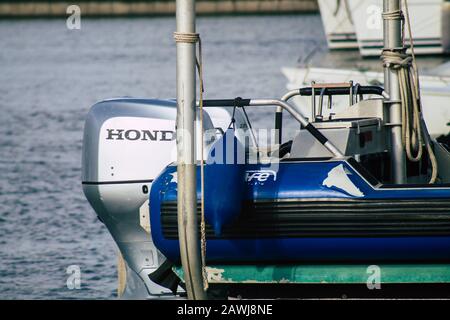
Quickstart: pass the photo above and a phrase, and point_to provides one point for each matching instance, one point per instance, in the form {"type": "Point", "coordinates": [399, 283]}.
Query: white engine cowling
{"type": "Point", "coordinates": [126, 144]}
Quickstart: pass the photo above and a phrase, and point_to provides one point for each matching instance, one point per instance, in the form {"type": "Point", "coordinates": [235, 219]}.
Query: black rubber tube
{"type": "Point", "coordinates": [237, 102]}
{"type": "Point", "coordinates": [342, 91]}
{"type": "Point", "coordinates": [316, 133]}
{"type": "Point", "coordinates": [279, 126]}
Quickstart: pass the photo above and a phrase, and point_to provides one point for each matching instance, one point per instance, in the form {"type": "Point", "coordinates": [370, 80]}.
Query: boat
{"type": "Point", "coordinates": [362, 186]}
{"type": "Point", "coordinates": [318, 205]}
{"type": "Point", "coordinates": [428, 20]}
{"type": "Point", "coordinates": [358, 24]}
{"type": "Point", "coordinates": [338, 24]}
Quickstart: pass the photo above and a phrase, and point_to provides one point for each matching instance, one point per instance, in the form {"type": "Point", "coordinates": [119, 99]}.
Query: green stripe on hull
{"type": "Point", "coordinates": [332, 274]}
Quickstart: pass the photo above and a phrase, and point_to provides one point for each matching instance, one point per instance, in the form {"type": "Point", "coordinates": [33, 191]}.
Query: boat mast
{"type": "Point", "coordinates": [186, 151]}
{"type": "Point", "coordinates": [392, 41]}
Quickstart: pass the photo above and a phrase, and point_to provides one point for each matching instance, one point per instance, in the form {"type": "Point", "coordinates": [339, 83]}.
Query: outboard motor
{"type": "Point", "coordinates": [127, 143]}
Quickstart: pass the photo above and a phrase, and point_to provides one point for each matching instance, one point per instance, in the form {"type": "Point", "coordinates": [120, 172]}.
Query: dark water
{"type": "Point", "coordinates": [50, 76]}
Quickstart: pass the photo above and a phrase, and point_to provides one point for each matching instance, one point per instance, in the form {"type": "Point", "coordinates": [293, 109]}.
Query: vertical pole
{"type": "Point", "coordinates": [392, 39]}
{"type": "Point", "coordinates": [278, 125]}
{"type": "Point", "coordinates": [186, 153]}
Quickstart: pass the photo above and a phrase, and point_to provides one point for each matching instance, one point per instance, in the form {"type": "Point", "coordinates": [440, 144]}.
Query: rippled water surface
{"type": "Point", "coordinates": [50, 76]}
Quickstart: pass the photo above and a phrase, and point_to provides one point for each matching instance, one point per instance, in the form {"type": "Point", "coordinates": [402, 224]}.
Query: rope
{"type": "Point", "coordinates": [417, 89]}
{"type": "Point", "coordinates": [414, 130]}
{"type": "Point", "coordinates": [186, 37]}
{"type": "Point", "coordinates": [232, 124]}
{"type": "Point", "coordinates": [395, 15]}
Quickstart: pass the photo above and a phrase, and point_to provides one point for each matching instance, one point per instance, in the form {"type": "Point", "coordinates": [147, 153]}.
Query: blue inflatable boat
{"type": "Point", "coordinates": [311, 205]}
{"type": "Point", "coordinates": [300, 214]}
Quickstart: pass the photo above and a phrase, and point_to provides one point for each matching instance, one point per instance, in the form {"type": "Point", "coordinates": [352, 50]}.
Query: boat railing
{"type": "Point", "coordinates": [326, 89]}
{"type": "Point", "coordinates": [240, 103]}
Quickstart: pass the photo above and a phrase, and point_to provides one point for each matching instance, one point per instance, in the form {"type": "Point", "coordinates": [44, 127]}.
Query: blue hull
{"type": "Point", "coordinates": [314, 211]}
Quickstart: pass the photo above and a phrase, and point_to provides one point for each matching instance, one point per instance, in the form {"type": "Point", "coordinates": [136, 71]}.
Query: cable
{"type": "Point", "coordinates": [414, 130]}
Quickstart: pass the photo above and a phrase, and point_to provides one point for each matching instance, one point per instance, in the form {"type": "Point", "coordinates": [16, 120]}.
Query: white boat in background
{"type": "Point", "coordinates": [338, 24]}
{"type": "Point", "coordinates": [435, 92]}
{"type": "Point", "coordinates": [358, 24]}
{"type": "Point", "coordinates": [429, 19]}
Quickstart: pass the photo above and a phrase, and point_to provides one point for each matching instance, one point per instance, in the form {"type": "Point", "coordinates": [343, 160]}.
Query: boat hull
{"type": "Point", "coordinates": [318, 211]}
{"type": "Point", "coordinates": [338, 24]}
{"type": "Point", "coordinates": [428, 37]}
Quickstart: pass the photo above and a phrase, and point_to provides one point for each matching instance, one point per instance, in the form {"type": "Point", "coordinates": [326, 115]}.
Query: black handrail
{"type": "Point", "coordinates": [237, 102]}
{"type": "Point", "coordinates": [307, 91]}
{"type": "Point", "coordinates": [339, 91]}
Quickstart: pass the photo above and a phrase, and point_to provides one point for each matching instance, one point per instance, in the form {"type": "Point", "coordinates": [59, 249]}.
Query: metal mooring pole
{"type": "Point", "coordinates": [392, 40]}
{"type": "Point", "coordinates": [186, 153]}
